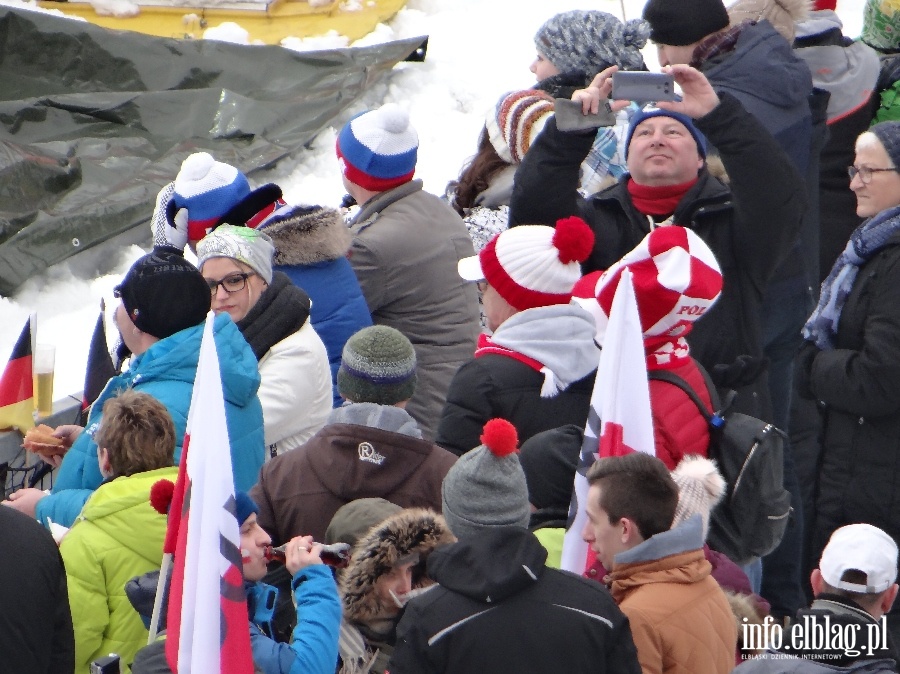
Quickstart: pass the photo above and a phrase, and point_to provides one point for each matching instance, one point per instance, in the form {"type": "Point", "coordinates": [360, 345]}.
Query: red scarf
{"type": "Point", "coordinates": [657, 201]}
{"type": "Point", "coordinates": [486, 346]}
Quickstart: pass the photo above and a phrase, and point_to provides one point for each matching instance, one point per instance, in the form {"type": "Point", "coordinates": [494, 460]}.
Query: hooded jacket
{"type": "Point", "coordinates": [166, 371]}
{"type": "Point", "coordinates": [116, 537]}
{"type": "Point", "coordinates": [680, 618]}
{"type": "Point", "coordinates": [365, 450]}
{"type": "Point", "coordinates": [497, 384]}
{"type": "Point", "coordinates": [497, 608]}
{"type": "Point", "coordinates": [367, 633]}
{"type": "Point", "coordinates": [311, 248]}
{"type": "Point", "coordinates": [749, 226]}
{"type": "Point", "coordinates": [406, 247]}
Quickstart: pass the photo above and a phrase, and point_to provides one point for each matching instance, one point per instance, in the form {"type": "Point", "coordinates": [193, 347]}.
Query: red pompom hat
{"type": "Point", "coordinates": [533, 265]}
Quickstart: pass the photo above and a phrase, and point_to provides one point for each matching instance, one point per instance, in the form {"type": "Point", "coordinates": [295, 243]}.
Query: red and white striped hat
{"type": "Point", "coordinates": [676, 280]}
{"type": "Point", "coordinates": [533, 265]}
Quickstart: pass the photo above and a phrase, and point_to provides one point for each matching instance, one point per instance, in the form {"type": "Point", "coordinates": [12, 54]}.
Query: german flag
{"type": "Point", "coordinates": [16, 386]}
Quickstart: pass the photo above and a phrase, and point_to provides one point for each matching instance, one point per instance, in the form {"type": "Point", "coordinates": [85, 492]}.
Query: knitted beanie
{"type": "Point", "coordinates": [378, 366]}
{"type": "Point", "coordinates": [207, 189]}
{"type": "Point", "coordinates": [676, 280]}
{"type": "Point", "coordinates": [700, 488]}
{"type": "Point", "coordinates": [533, 265]}
{"type": "Point", "coordinates": [652, 111]}
{"type": "Point", "coordinates": [889, 135]}
{"type": "Point", "coordinates": [881, 24]}
{"type": "Point", "coordinates": [549, 459]}
{"type": "Point", "coordinates": [486, 487]}
{"type": "Point", "coordinates": [589, 41]}
{"type": "Point", "coordinates": [163, 293]}
{"type": "Point", "coordinates": [243, 244]}
{"type": "Point", "coordinates": [244, 506]}
{"type": "Point", "coordinates": [378, 149]}
{"type": "Point", "coordinates": [683, 22]}
{"type": "Point", "coordinates": [515, 122]}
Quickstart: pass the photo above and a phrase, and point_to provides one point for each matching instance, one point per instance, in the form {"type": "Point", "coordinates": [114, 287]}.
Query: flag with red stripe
{"type": "Point", "coordinates": [17, 386]}
{"type": "Point", "coordinates": [619, 419]}
{"type": "Point", "coordinates": [208, 626]}
{"type": "Point", "coordinates": [100, 368]}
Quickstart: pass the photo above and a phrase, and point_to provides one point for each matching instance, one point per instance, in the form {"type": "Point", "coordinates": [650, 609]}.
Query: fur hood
{"type": "Point", "coordinates": [305, 235]}
{"type": "Point", "coordinates": [746, 612]}
{"type": "Point", "coordinates": [414, 530]}
{"type": "Point", "coordinates": [782, 14]}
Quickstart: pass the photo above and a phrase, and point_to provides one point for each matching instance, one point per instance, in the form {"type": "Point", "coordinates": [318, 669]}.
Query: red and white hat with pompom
{"type": "Point", "coordinates": [676, 280]}
{"type": "Point", "coordinates": [533, 265]}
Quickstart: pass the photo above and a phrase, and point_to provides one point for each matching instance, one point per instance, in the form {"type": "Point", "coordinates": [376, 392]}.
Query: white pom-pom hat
{"type": "Point", "coordinates": [378, 149]}
{"type": "Point", "coordinates": [533, 265]}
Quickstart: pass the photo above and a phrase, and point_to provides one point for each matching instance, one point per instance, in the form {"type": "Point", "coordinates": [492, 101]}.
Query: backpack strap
{"type": "Point", "coordinates": [713, 418]}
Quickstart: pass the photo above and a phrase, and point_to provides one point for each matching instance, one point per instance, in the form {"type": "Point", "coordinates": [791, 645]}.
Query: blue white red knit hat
{"type": "Point", "coordinates": [533, 265]}
{"type": "Point", "coordinates": [652, 111]}
{"type": "Point", "coordinates": [378, 149]}
{"type": "Point", "coordinates": [207, 189]}
{"type": "Point", "coordinates": [676, 280]}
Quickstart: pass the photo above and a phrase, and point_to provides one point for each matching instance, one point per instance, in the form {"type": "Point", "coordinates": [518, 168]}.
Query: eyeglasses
{"type": "Point", "coordinates": [865, 173]}
{"type": "Point", "coordinates": [231, 283]}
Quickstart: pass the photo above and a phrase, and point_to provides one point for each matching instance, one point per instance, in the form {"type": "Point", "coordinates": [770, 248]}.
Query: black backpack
{"type": "Point", "coordinates": [751, 519]}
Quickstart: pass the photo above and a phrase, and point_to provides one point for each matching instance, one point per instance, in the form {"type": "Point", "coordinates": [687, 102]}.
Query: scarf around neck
{"type": "Point", "coordinates": [657, 200]}
{"type": "Point", "coordinates": [866, 240]}
{"type": "Point", "coordinates": [281, 310]}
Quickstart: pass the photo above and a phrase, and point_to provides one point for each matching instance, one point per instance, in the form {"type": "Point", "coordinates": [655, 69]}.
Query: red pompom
{"type": "Point", "coordinates": [161, 495]}
{"type": "Point", "coordinates": [500, 437]}
{"type": "Point", "coordinates": [574, 239]}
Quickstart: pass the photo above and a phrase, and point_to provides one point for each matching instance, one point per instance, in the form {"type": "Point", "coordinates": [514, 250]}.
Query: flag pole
{"type": "Point", "coordinates": [160, 591]}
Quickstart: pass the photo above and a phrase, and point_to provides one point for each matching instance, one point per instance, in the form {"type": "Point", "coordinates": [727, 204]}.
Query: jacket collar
{"type": "Point", "coordinates": [369, 211]}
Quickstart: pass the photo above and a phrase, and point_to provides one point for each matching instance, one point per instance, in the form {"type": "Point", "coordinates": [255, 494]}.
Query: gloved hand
{"type": "Point", "coordinates": [742, 372]}
{"type": "Point", "coordinates": [169, 224]}
{"type": "Point", "coordinates": [803, 365]}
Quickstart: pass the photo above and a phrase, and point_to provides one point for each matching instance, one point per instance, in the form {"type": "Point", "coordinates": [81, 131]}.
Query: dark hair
{"type": "Point", "coordinates": [477, 174]}
{"type": "Point", "coordinates": [864, 599]}
{"type": "Point", "coordinates": [637, 487]}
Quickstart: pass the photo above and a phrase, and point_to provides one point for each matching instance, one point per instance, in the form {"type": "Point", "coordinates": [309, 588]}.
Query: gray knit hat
{"type": "Point", "coordinates": [889, 135]}
{"type": "Point", "coordinates": [378, 366]}
{"type": "Point", "coordinates": [243, 244]}
{"type": "Point", "coordinates": [700, 488]}
{"type": "Point", "coordinates": [486, 487]}
{"type": "Point", "coordinates": [589, 41]}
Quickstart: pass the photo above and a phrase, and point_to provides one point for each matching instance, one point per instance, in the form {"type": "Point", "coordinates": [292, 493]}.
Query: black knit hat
{"type": "Point", "coordinates": [163, 293]}
{"type": "Point", "coordinates": [683, 22]}
{"type": "Point", "coordinates": [378, 365]}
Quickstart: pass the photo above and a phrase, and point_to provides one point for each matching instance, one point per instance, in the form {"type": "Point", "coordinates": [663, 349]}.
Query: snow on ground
{"type": "Point", "coordinates": [477, 50]}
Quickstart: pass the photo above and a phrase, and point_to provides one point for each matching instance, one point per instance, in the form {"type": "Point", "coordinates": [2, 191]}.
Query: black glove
{"type": "Point", "coordinates": [742, 372]}
{"type": "Point", "coordinates": [803, 365]}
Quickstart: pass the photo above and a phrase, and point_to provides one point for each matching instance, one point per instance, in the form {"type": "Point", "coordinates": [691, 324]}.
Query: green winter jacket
{"type": "Point", "coordinates": [117, 536]}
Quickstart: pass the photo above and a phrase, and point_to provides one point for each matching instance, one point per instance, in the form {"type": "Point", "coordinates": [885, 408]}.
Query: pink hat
{"type": "Point", "coordinates": [533, 265]}
{"type": "Point", "coordinates": [676, 280]}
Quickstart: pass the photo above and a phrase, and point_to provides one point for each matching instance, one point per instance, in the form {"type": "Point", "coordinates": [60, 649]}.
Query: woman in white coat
{"type": "Point", "coordinates": [273, 316]}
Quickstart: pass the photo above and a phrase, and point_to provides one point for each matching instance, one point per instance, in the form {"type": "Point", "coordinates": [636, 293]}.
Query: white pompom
{"type": "Point", "coordinates": [196, 167]}
{"type": "Point", "coordinates": [394, 118]}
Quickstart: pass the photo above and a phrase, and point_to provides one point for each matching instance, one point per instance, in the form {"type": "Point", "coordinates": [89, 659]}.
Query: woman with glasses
{"type": "Point", "coordinates": [850, 361]}
{"type": "Point", "coordinates": [273, 316]}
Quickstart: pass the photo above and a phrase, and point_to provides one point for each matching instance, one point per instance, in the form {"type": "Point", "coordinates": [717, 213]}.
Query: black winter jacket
{"type": "Point", "coordinates": [498, 386]}
{"type": "Point", "coordinates": [499, 609]}
{"type": "Point", "coordinates": [750, 227]}
{"type": "Point", "coordinates": [859, 383]}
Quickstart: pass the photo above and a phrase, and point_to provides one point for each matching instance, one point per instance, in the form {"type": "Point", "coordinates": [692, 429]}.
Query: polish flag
{"type": "Point", "coordinates": [208, 626]}
{"type": "Point", "coordinates": [619, 419]}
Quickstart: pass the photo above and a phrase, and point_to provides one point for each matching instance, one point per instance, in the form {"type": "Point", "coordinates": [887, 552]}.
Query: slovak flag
{"type": "Point", "coordinates": [619, 419]}
{"type": "Point", "coordinates": [208, 626]}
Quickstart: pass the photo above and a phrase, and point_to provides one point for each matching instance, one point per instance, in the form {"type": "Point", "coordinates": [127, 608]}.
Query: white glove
{"type": "Point", "coordinates": [169, 230]}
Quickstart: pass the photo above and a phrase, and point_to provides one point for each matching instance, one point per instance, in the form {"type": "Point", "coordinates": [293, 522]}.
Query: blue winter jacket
{"type": "Point", "coordinates": [166, 371]}
{"type": "Point", "coordinates": [338, 307]}
{"type": "Point", "coordinates": [314, 643]}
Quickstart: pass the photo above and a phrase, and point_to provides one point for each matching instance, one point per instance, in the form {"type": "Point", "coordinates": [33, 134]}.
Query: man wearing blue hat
{"type": "Point", "coordinates": [406, 245]}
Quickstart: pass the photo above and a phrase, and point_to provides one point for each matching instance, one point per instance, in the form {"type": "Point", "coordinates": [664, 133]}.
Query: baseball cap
{"type": "Point", "coordinates": [863, 548]}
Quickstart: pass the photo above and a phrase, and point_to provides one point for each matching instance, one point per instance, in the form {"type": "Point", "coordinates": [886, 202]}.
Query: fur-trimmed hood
{"type": "Point", "coordinates": [414, 530]}
{"type": "Point", "coordinates": [305, 235]}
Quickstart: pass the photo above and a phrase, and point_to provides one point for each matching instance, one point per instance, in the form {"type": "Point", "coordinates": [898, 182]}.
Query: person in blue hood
{"type": "Point", "coordinates": [164, 301]}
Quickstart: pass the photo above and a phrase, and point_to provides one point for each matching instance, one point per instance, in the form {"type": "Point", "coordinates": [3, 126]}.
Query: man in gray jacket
{"type": "Point", "coordinates": [406, 245]}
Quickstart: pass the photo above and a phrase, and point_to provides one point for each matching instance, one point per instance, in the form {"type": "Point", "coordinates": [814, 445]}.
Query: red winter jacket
{"type": "Point", "coordinates": [678, 426]}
